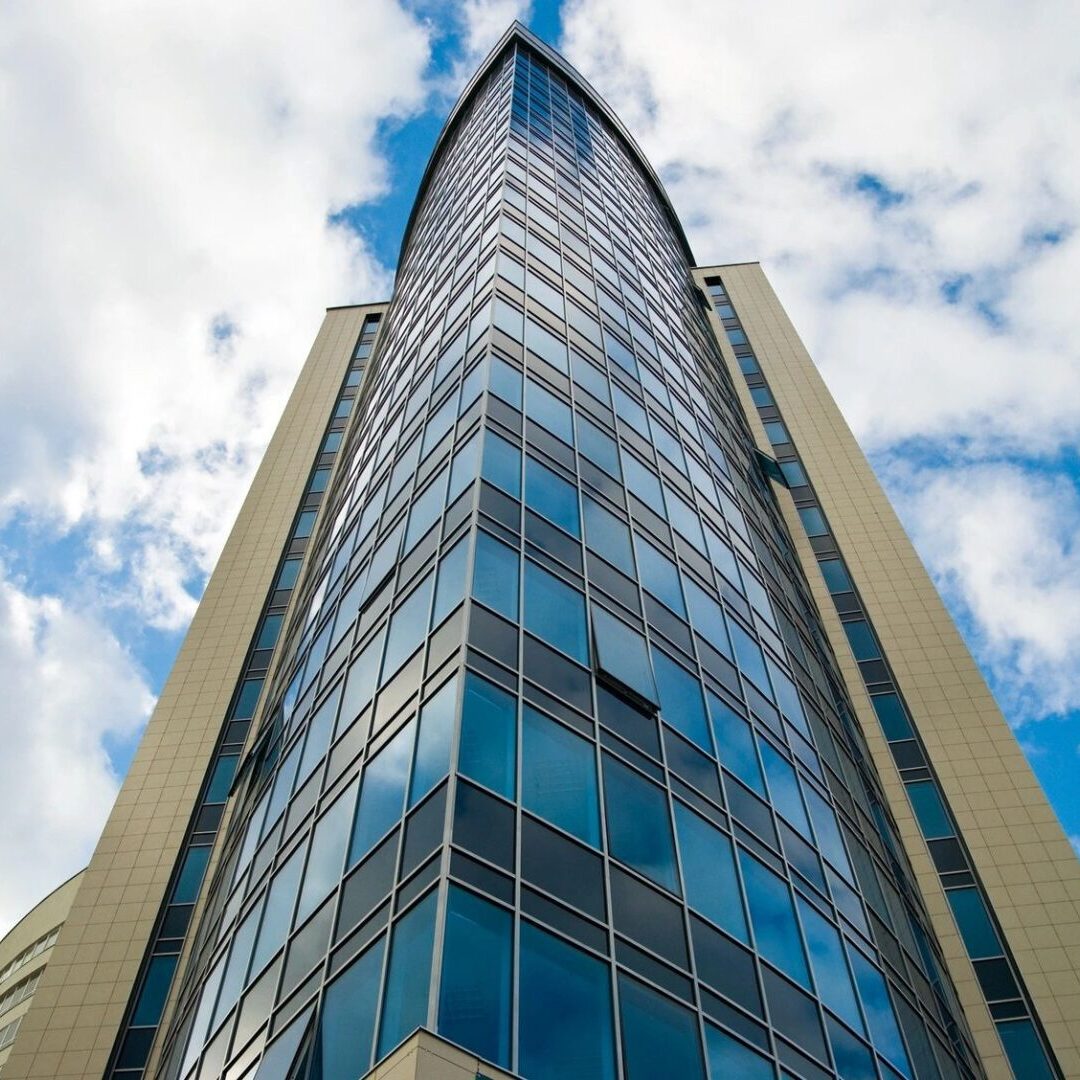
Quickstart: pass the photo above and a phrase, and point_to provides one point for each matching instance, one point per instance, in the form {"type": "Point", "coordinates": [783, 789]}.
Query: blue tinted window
{"type": "Point", "coordinates": [813, 521]}
{"type": "Point", "coordinates": [328, 843]}
{"type": "Point", "coordinates": [681, 702]}
{"type": "Point", "coordinates": [643, 483]}
{"type": "Point", "coordinates": [305, 522]}
{"type": "Point", "coordinates": [426, 509]}
{"type": "Point", "coordinates": [405, 1001]}
{"type": "Point", "coordinates": [247, 699]}
{"type": "Point", "coordinates": [488, 735]}
{"type": "Point", "coordinates": [775, 432]}
{"type": "Point", "coordinates": [476, 991]}
{"type": "Point", "coordinates": [555, 612]}
{"type": "Point", "coordinates": [879, 1011]}
{"type": "Point", "coordinates": [408, 627]}
{"type": "Point", "coordinates": [450, 586]}
{"type": "Point", "coordinates": [862, 641]}
{"type": "Point", "coordinates": [929, 809]}
{"type": "Point", "coordinates": [685, 520]}
{"type": "Point", "coordinates": [599, 448]}
{"type": "Point", "coordinates": [707, 617]}
{"type": "Point", "coordinates": [828, 831]}
{"type": "Point", "coordinates": [547, 346]}
{"type": "Point", "coordinates": [235, 978]}
{"type": "Point", "coordinates": [508, 318]}
{"type": "Point", "coordinates": [348, 1017]}
{"type": "Point", "coordinates": [548, 411]}
{"type": "Point", "coordinates": [1025, 1052]}
{"type": "Point", "coordinates": [277, 917]}
{"type": "Point", "coordinates": [787, 697]}
{"type": "Point", "coordinates": [980, 937]}
{"type": "Point", "coordinates": [728, 1058]}
{"type": "Point", "coordinates": [890, 712]}
{"type": "Point", "coordinates": [623, 654]}
{"type": "Point", "coordinates": [660, 576]}
{"type": "Point", "coordinates": [502, 464]}
{"type": "Point", "coordinates": [591, 379]}
{"type": "Point", "coordinates": [772, 916]}
{"type": "Point", "coordinates": [432, 760]}
{"type": "Point", "coordinates": [361, 681]}
{"type": "Point", "coordinates": [565, 1023]}
{"type": "Point", "coordinates": [609, 536]}
{"type": "Point", "coordinates": [319, 479]}
{"type": "Point", "coordinates": [290, 570]}
{"type": "Point", "coordinates": [853, 1058]}
{"type": "Point", "coordinates": [618, 352]}
{"type": "Point", "coordinates": [268, 632]}
{"type": "Point", "coordinates": [660, 1038]}
{"type": "Point", "coordinates": [835, 574]}
{"type": "Point", "coordinates": [221, 779]}
{"type": "Point", "coordinates": [639, 828]}
{"type": "Point", "coordinates": [439, 423]}
{"type": "Point", "coordinates": [793, 473]}
{"type": "Point", "coordinates": [506, 382]}
{"type": "Point", "coordinates": [749, 656]}
{"type": "Point", "coordinates": [154, 990]}
{"type": "Point", "coordinates": [784, 789]}
{"type": "Point", "coordinates": [332, 442]}
{"type": "Point", "coordinates": [382, 793]}
{"type": "Point", "coordinates": [495, 575]}
{"type": "Point", "coordinates": [551, 496]}
{"type": "Point", "coordinates": [735, 744]}
{"type": "Point", "coordinates": [558, 776]}
{"type": "Point", "coordinates": [708, 863]}
{"type": "Point", "coordinates": [187, 884]}
{"type": "Point", "coordinates": [629, 411]}
{"type": "Point", "coordinates": [465, 469]}
{"type": "Point", "coordinates": [830, 968]}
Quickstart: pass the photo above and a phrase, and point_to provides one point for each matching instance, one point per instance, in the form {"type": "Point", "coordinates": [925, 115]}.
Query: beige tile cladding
{"type": "Point", "coordinates": [424, 1056]}
{"type": "Point", "coordinates": [74, 1017]}
{"type": "Point", "coordinates": [1020, 850]}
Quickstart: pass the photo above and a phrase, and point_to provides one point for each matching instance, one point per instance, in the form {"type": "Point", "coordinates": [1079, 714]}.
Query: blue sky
{"type": "Point", "coordinates": [181, 217]}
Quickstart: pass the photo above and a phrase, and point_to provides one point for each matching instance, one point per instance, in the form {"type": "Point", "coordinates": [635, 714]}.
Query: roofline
{"type": "Point", "coordinates": [516, 32]}
{"type": "Point", "coordinates": [26, 915]}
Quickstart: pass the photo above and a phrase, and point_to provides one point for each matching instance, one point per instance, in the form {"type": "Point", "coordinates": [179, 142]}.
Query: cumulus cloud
{"type": "Point", "coordinates": [68, 685]}
{"type": "Point", "coordinates": [911, 190]}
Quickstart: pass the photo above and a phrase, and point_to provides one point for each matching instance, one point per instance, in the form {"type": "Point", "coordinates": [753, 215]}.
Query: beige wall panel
{"type": "Point", "coordinates": [1020, 851]}
{"type": "Point", "coordinates": [72, 1024]}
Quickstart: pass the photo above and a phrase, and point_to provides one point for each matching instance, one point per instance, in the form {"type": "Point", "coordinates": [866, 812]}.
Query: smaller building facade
{"type": "Point", "coordinates": [24, 953]}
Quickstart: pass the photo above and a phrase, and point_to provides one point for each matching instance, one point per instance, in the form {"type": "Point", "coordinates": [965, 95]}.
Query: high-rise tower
{"type": "Point", "coordinates": [567, 689]}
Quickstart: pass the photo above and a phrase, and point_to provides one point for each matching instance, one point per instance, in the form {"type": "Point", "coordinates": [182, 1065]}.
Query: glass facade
{"type": "Point", "coordinates": [557, 762]}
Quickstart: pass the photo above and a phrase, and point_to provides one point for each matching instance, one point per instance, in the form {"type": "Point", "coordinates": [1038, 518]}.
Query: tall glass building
{"type": "Point", "coordinates": [568, 703]}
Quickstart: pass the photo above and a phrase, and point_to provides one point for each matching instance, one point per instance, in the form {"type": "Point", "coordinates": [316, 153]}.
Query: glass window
{"type": "Point", "coordinates": [488, 736]}
{"type": "Point", "coordinates": [247, 699]}
{"type": "Point", "coordinates": [502, 464]}
{"type": "Point", "coordinates": [609, 536]}
{"type": "Point", "coordinates": [405, 1001]}
{"type": "Point", "coordinates": [476, 992]}
{"type": "Point", "coordinates": [191, 875]}
{"type": "Point", "coordinates": [508, 318]}
{"type": "Point", "coordinates": [735, 743]}
{"type": "Point", "coordinates": [793, 473]}
{"type": "Point", "coordinates": [892, 716]}
{"type": "Point", "coordinates": [432, 760]}
{"type": "Point", "coordinates": [642, 483]}
{"type": "Point", "coordinates": [830, 968]}
{"type": "Point", "coordinates": [154, 990]}
{"type": "Point", "coordinates": [813, 521]}
{"type": "Point", "coordinates": [328, 843]}
{"type": "Point", "coordinates": [861, 638]}
{"type": "Point", "coordinates": [506, 382]}
{"type": "Point", "coordinates": [659, 576]}
{"type": "Point", "coordinates": [382, 793]}
{"type": "Point", "coordinates": [332, 442]}
{"type": "Point", "coordinates": [319, 479]}
{"type": "Point", "coordinates": [558, 776]}
{"type": "Point", "coordinates": [681, 702]}
{"type": "Point", "coordinates": [622, 653]}
{"type": "Point", "coordinates": [450, 586]}
{"type": "Point", "coordinates": [551, 496]}
{"type": "Point", "coordinates": [853, 1058]}
{"type": "Point", "coordinates": [590, 378]}
{"type": "Point", "coordinates": [787, 697]}
{"type": "Point", "coordinates": [348, 1017]}
{"type": "Point", "coordinates": [980, 937]}
{"type": "Point", "coordinates": [565, 1022]}
{"type": "Point", "coordinates": [426, 509]}
{"type": "Point", "coordinates": [290, 570]}
{"type": "Point", "coordinates": [772, 916]}
{"type": "Point", "coordinates": [775, 432]}
{"type": "Point", "coordinates": [836, 576]}
{"type": "Point", "coordinates": [277, 916]}
{"type": "Point", "coordinates": [407, 627]}
{"type": "Point", "coordinates": [729, 1058]}
{"type": "Point", "coordinates": [749, 656]}
{"type": "Point", "coordinates": [828, 831]}
{"type": "Point", "coordinates": [639, 828]}
{"type": "Point", "coordinates": [555, 612]}
{"type": "Point", "coordinates": [1025, 1052]}
{"type": "Point", "coordinates": [305, 522]}
{"type": "Point", "coordinates": [929, 810]}
{"type": "Point", "coordinates": [268, 632]}
{"type": "Point", "coordinates": [879, 1011]}
{"type": "Point", "coordinates": [599, 448]}
{"type": "Point", "coordinates": [708, 863]}
{"type": "Point", "coordinates": [708, 617]}
{"type": "Point", "coordinates": [548, 411]}
{"type": "Point", "coordinates": [660, 1038]}
{"type": "Point", "coordinates": [547, 346]}
{"type": "Point", "coordinates": [221, 779]}
{"type": "Point", "coordinates": [495, 575]}
{"type": "Point", "coordinates": [784, 789]}
{"type": "Point", "coordinates": [237, 968]}
{"type": "Point", "coordinates": [361, 681]}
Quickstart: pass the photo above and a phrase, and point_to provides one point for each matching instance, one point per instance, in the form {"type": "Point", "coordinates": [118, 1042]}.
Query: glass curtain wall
{"type": "Point", "coordinates": [559, 765]}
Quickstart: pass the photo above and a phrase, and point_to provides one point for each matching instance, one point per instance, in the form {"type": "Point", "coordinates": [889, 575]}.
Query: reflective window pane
{"type": "Point", "coordinates": [639, 828]}
{"type": "Point", "coordinates": [660, 1038]}
{"type": "Point", "coordinates": [555, 612]}
{"type": "Point", "coordinates": [405, 999]}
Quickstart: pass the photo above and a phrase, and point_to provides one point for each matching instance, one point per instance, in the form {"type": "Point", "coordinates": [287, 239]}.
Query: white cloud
{"type": "Point", "coordinates": [68, 684]}
{"type": "Point", "coordinates": [762, 124]}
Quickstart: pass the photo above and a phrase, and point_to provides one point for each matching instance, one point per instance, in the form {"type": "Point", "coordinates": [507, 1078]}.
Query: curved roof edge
{"type": "Point", "coordinates": [516, 32]}
{"type": "Point", "coordinates": [27, 914]}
